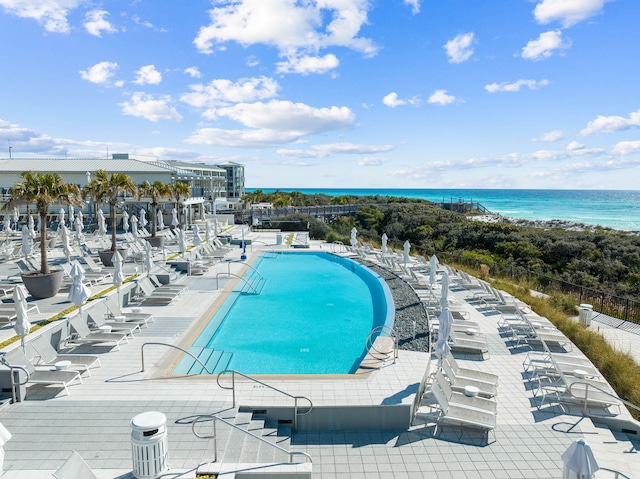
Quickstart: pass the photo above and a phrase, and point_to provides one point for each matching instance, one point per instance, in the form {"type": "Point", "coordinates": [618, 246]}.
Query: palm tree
{"type": "Point", "coordinates": [156, 191]}
{"type": "Point", "coordinates": [102, 188]}
{"type": "Point", "coordinates": [43, 190]}
{"type": "Point", "coordinates": [178, 191]}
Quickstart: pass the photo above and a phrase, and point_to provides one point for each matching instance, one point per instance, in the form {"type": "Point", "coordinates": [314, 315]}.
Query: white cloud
{"type": "Point", "coordinates": [574, 145]}
{"type": "Point", "coordinates": [308, 64]}
{"type": "Point", "coordinates": [515, 86]}
{"type": "Point", "coordinates": [285, 115]}
{"type": "Point", "coordinates": [372, 161]}
{"type": "Point", "coordinates": [321, 151]}
{"type": "Point", "coordinates": [273, 123]}
{"type": "Point", "coordinates": [222, 92]}
{"type": "Point", "coordinates": [95, 23]}
{"type": "Point", "coordinates": [441, 97]}
{"type": "Point", "coordinates": [554, 135]}
{"type": "Point", "coordinates": [610, 124]}
{"type": "Point", "coordinates": [51, 14]}
{"type": "Point", "coordinates": [296, 29]}
{"type": "Point", "coordinates": [148, 75]}
{"type": "Point", "coordinates": [100, 73]}
{"type": "Point", "coordinates": [626, 147]}
{"type": "Point", "coordinates": [392, 100]}
{"type": "Point", "coordinates": [544, 46]}
{"type": "Point", "coordinates": [151, 108]}
{"type": "Point", "coordinates": [193, 72]}
{"type": "Point", "coordinates": [414, 4]}
{"type": "Point", "coordinates": [568, 12]}
{"type": "Point", "coordinates": [241, 138]}
{"type": "Point", "coordinates": [459, 49]}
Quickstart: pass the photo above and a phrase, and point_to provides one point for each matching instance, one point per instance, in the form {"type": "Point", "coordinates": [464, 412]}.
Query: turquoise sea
{"type": "Point", "coordinates": [610, 208]}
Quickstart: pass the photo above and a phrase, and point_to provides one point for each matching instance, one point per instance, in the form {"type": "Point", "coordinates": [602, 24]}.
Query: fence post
{"type": "Point", "coordinates": [626, 311]}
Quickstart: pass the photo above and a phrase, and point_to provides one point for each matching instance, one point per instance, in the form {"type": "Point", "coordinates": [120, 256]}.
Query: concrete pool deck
{"type": "Point", "coordinates": [94, 418]}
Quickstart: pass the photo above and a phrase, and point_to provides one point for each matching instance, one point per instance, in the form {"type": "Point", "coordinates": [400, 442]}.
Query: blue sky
{"type": "Point", "coordinates": [333, 93]}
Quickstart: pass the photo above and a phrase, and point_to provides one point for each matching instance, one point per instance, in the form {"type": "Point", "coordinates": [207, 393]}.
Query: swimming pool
{"type": "Point", "coordinates": [312, 316]}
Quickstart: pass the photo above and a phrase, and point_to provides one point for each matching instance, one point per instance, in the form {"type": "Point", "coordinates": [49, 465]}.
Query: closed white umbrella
{"type": "Point", "coordinates": [118, 274]}
{"type": "Point", "coordinates": [385, 238]}
{"type": "Point", "coordinates": [81, 216]}
{"type": "Point", "coordinates": [182, 241]}
{"type": "Point", "coordinates": [445, 323]}
{"type": "Point", "coordinates": [444, 290]}
{"type": "Point", "coordinates": [7, 224]}
{"type": "Point", "coordinates": [79, 292]}
{"type": "Point", "coordinates": [16, 218]}
{"type": "Point", "coordinates": [78, 226]}
{"type": "Point", "coordinates": [174, 217]}
{"type": "Point", "coordinates": [148, 262]}
{"type": "Point", "coordinates": [66, 246]}
{"type": "Point", "coordinates": [125, 221]}
{"type": "Point", "coordinates": [22, 324]}
{"type": "Point", "coordinates": [102, 223]}
{"type": "Point", "coordinates": [433, 266]}
{"type": "Point", "coordinates": [196, 235]}
{"type": "Point", "coordinates": [406, 250]}
{"type": "Point", "coordinates": [143, 218]}
{"type": "Point", "coordinates": [160, 220]}
{"type": "Point", "coordinates": [61, 216]}
{"type": "Point", "coordinates": [72, 217]}
{"type": "Point", "coordinates": [207, 230]}
{"type": "Point", "coordinates": [31, 225]}
{"type": "Point", "coordinates": [134, 226]}
{"type": "Point", "coordinates": [579, 461]}
{"type": "Point", "coordinates": [354, 232]}
{"type": "Point", "coordinates": [26, 241]}
{"type": "Point", "coordinates": [38, 224]}
{"type": "Point", "coordinates": [5, 435]}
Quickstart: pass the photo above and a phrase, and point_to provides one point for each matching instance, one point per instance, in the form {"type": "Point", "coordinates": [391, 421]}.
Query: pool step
{"type": "Point", "coordinates": [247, 455]}
{"type": "Point", "coordinates": [215, 361]}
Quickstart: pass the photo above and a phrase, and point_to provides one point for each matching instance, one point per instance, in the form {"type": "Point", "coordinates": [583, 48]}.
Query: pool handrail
{"type": "Point", "coordinates": [214, 436]}
{"type": "Point", "coordinates": [171, 346]}
{"type": "Point", "coordinates": [296, 412]}
{"type": "Point", "coordinates": [255, 291]}
{"type": "Point", "coordinates": [229, 261]}
{"type": "Point", "coordinates": [387, 330]}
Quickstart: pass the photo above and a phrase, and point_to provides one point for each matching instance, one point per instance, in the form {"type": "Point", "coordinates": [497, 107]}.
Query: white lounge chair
{"type": "Point", "coordinates": [113, 307]}
{"type": "Point", "coordinates": [461, 416]}
{"type": "Point", "coordinates": [84, 335]}
{"type": "Point", "coordinates": [48, 356]}
{"type": "Point", "coordinates": [97, 316]}
{"type": "Point", "coordinates": [474, 374]}
{"type": "Point", "coordinates": [460, 383]}
{"type": "Point", "coordinates": [49, 378]}
{"type": "Point", "coordinates": [461, 399]}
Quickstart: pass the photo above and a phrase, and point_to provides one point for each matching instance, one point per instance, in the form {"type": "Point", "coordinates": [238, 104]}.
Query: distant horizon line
{"type": "Point", "coordinates": [432, 189]}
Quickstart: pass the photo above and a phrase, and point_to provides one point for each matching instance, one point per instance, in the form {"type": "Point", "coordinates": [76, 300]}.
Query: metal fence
{"type": "Point", "coordinates": [619, 307]}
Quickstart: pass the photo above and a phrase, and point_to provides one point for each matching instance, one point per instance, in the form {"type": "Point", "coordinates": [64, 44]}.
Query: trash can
{"type": "Point", "coordinates": [278, 238]}
{"type": "Point", "coordinates": [149, 445]}
{"type": "Point", "coordinates": [586, 311]}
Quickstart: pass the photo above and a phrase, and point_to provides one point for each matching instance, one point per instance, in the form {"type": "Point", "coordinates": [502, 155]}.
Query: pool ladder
{"type": "Point", "coordinates": [385, 331]}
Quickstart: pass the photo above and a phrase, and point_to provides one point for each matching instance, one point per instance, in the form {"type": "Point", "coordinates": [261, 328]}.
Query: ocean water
{"type": "Point", "coordinates": [616, 209]}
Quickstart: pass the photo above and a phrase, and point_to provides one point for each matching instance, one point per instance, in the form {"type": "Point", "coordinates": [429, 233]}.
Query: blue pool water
{"type": "Point", "coordinates": [312, 316]}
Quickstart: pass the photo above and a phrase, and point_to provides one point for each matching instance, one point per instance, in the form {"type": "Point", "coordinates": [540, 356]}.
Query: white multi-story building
{"type": "Point", "coordinates": [222, 185]}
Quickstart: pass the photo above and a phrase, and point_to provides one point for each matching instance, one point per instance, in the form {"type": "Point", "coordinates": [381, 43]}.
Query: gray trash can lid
{"type": "Point", "coordinates": [148, 420]}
